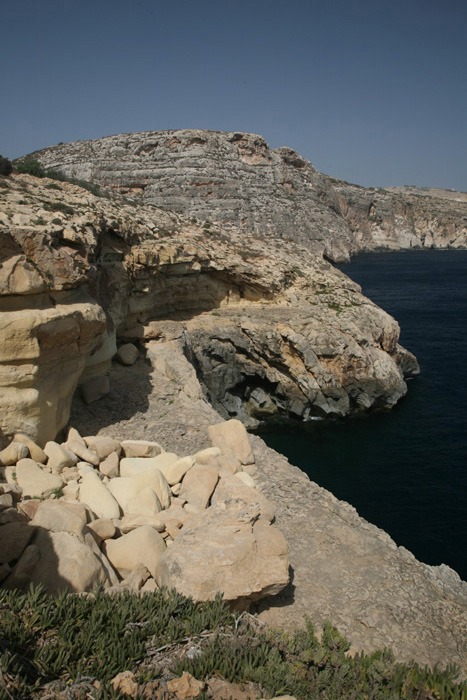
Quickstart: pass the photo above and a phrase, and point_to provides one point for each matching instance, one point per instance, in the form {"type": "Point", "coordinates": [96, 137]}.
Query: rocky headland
{"type": "Point", "coordinates": [133, 322]}
{"type": "Point", "coordinates": [275, 193]}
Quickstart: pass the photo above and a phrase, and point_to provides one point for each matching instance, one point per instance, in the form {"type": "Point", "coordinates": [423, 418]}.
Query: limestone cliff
{"type": "Point", "coordinates": [274, 331]}
{"type": "Point", "coordinates": [236, 178]}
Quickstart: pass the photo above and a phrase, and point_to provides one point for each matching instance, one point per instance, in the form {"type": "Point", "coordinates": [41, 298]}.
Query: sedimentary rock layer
{"type": "Point", "coordinates": [236, 178]}
{"type": "Point", "coordinates": [271, 331]}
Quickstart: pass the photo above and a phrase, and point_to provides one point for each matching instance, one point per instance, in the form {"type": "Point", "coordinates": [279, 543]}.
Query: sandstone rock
{"type": "Point", "coordinates": [205, 456]}
{"type": "Point", "coordinates": [12, 490]}
{"type": "Point", "coordinates": [131, 466]}
{"type": "Point", "coordinates": [29, 508]}
{"type": "Point", "coordinates": [125, 488]}
{"type": "Point", "coordinates": [227, 550]}
{"type": "Point", "coordinates": [6, 501]}
{"type": "Point", "coordinates": [127, 354]}
{"type": "Point", "coordinates": [144, 503]}
{"type": "Point", "coordinates": [94, 389]}
{"type": "Point", "coordinates": [69, 474]}
{"type": "Point", "coordinates": [246, 478]}
{"type": "Point", "coordinates": [73, 434]}
{"type": "Point", "coordinates": [67, 564]}
{"type": "Point", "coordinates": [14, 452]}
{"type": "Point", "coordinates": [4, 571]}
{"type": "Point", "coordinates": [131, 522]}
{"type": "Point", "coordinates": [185, 687]}
{"type": "Point", "coordinates": [199, 484]}
{"type": "Point", "coordinates": [232, 437]}
{"type": "Point", "coordinates": [175, 471]}
{"type": "Point", "coordinates": [71, 491]}
{"type": "Point", "coordinates": [136, 578]}
{"type": "Point", "coordinates": [149, 587]}
{"type": "Point", "coordinates": [58, 516]}
{"type": "Point", "coordinates": [14, 537]}
{"type": "Point", "coordinates": [141, 448]}
{"type": "Point", "coordinates": [100, 500]}
{"type": "Point", "coordinates": [34, 481]}
{"type": "Point", "coordinates": [36, 452]}
{"type": "Point", "coordinates": [109, 466]}
{"type": "Point", "coordinates": [103, 446]}
{"type": "Point", "coordinates": [23, 570]}
{"type": "Point", "coordinates": [102, 529]}
{"type": "Point", "coordinates": [124, 683]}
{"type": "Point", "coordinates": [231, 490]}
{"type": "Point", "coordinates": [12, 515]}
{"type": "Point", "coordinates": [59, 457]}
{"type": "Point", "coordinates": [83, 452]}
{"type": "Point", "coordinates": [141, 546]}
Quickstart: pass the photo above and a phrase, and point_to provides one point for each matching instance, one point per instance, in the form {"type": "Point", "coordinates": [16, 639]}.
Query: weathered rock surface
{"type": "Point", "coordinates": [236, 178]}
{"type": "Point", "coordinates": [270, 331]}
{"type": "Point", "coordinates": [343, 568]}
{"type": "Point", "coordinates": [229, 550]}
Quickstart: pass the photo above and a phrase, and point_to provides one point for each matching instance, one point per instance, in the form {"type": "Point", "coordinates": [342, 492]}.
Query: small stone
{"type": "Point", "coordinates": [131, 466]}
{"type": "Point", "coordinates": [149, 587]}
{"type": "Point", "coordinates": [83, 452]}
{"type": "Point", "coordinates": [14, 452]}
{"type": "Point", "coordinates": [6, 500]}
{"type": "Point", "coordinates": [34, 481]}
{"type": "Point", "coordinates": [11, 515]}
{"type": "Point", "coordinates": [103, 446]}
{"type": "Point", "coordinates": [125, 684]}
{"type": "Point", "coordinates": [59, 457]}
{"type": "Point", "coordinates": [98, 497]}
{"type": "Point", "coordinates": [127, 354]}
{"type": "Point", "coordinates": [175, 472]}
{"type": "Point", "coordinates": [136, 578]}
{"type": "Point", "coordinates": [102, 529]}
{"type": "Point", "coordinates": [141, 546]}
{"type": "Point", "coordinates": [73, 435]}
{"type": "Point", "coordinates": [176, 488]}
{"type": "Point", "coordinates": [29, 508]}
{"type": "Point", "coordinates": [141, 448]}
{"type": "Point", "coordinates": [71, 491]}
{"type": "Point", "coordinates": [199, 484]}
{"type": "Point", "coordinates": [246, 478]}
{"type": "Point", "coordinates": [204, 456]}
{"type": "Point", "coordinates": [109, 466]}
{"type": "Point", "coordinates": [185, 687]}
{"type": "Point", "coordinates": [95, 388]}
{"type": "Point", "coordinates": [144, 503]}
{"type": "Point", "coordinates": [36, 453]}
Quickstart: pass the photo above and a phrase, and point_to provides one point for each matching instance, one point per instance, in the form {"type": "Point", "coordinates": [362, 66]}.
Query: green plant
{"type": "Point", "coordinates": [30, 166]}
{"type": "Point", "coordinates": [59, 206]}
{"type": "Point", "coordinates": [6, 167]}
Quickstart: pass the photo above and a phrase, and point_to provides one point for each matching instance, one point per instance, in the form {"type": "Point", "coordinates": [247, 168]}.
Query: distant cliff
{"type": "Point", "coordinates": [236, 178]}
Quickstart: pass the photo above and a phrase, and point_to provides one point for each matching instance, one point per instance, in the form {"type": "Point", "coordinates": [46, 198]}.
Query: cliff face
{"type": "Point", "coordinates": [236, 178]}
{"type": "Point", "coordinates": [270, 331]}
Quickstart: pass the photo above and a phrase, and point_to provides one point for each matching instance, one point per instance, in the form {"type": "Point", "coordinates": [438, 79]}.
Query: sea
{"type": "Point", "coordinates": [405, 470]}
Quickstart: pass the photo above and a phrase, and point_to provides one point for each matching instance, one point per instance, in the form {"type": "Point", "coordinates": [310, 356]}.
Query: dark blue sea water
{"type": "Point", "coordinates": [405, 470]}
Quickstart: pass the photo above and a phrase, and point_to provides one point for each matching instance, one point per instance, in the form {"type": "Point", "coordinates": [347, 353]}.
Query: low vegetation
{"type": "Point", "coordinates": [30, 166]}
{"type": "Point", "coordinates": [73, 645]}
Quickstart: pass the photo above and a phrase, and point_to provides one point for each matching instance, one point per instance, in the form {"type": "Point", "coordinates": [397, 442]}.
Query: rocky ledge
{"type": "Point", "coordinates": [271, 330]}
{"type": "Point", "coordinates": [232, 177]}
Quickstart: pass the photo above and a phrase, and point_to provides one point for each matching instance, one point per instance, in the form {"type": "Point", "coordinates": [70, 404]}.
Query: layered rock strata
{"type": "Point", "coordinates": [270, 331]}
{"type": "Point", "coordinates": [236, 178]}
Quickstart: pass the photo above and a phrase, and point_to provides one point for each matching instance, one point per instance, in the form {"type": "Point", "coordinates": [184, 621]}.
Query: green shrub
{"type": "Point", "coordinates": [30, 166]}
{"type": "Point", "coordinates": [6, 166]}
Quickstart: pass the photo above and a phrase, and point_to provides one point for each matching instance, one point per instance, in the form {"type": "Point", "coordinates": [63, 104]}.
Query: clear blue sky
{"type": "Point", "coordinates": [371, 91]}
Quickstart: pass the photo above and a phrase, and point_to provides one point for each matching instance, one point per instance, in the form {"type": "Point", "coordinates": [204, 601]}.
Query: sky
{"type": "Point", "coordinates": [370, 91]}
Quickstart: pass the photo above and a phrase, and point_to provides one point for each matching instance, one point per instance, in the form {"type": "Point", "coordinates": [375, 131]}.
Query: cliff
{"type": "Point", "coordinates": [271, 331]}
{"type": "Point", "coordinates": [236, 178]}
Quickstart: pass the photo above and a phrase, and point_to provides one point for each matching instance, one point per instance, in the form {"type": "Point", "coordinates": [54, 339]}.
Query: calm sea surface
{"type": "Point", "coordinates": [405, 470]}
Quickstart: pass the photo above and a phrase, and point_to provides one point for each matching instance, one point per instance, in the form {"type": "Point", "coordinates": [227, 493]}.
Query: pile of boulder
{"type": "Point", "coordinates": [129, 515]}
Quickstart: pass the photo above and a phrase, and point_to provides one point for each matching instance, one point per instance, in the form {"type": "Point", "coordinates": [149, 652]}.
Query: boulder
{"type": "Point", "coordinates": [130, 466]}
{"type": "Point", "coordinates": [141, 448]}
{"type": "Point", "coordinates": [141, 546]}
{"type": "Point", "coordinates": [68, 564]}
{"type": "Point", "coordinates": [21, 574]}
{"type": "Point", "coordinates": [232, 438]}
{"type": "Point", "coordinates": [36, 453]}
{"type": "Point", "coordinates": [59, 457]}
{"type": "Point", "coordinates": [95, 388]}
{"type": "Point", "coordinates": [231, 491]}
{"type": "Point", "coordinates": [60, 516]}
{"type": "Point", "coordinates": [127, 354]}
{"type": "Point", "coordinates": [175, 471]}
{"type": "Point", "coordinates": [109, 466]}
{"type": "Point", "coordinates": [102, 529]}
{"type": "Point", "coordinates": [144, 503]}
{"type": "Point", "coordinates": [14, 538]}
{"type": "Point", "coordinates": [97, 496]}
{"type": "Point", "coordinates": [35, 481]}
{"type": "Point", "coordinates": [124, 488]}
{"type": "Point", "coordinates": [228, 550]}
{"type": "Point", "coordinates": [103, 446]}
{"type": "Point", "coordinates": [14, 452]}
{"type": "Point", "coordinates": [199, 484]}
{"type": "Point", "coordinates": [83, 452]}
